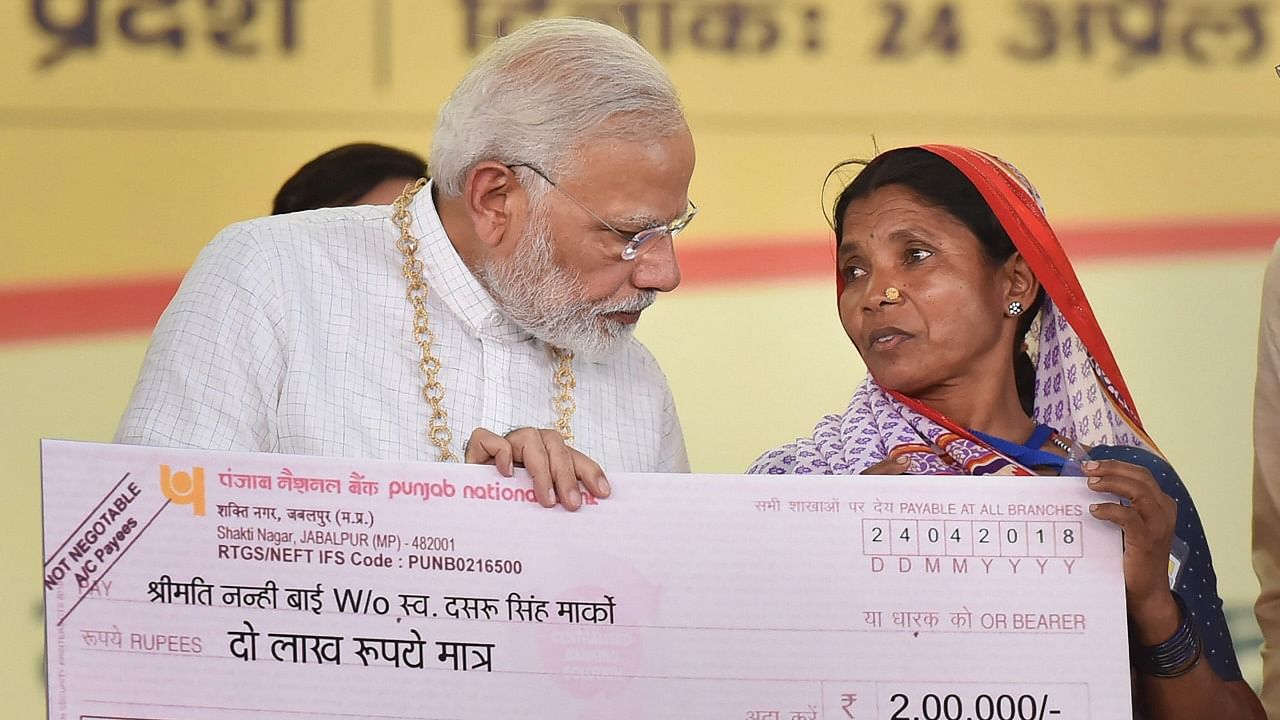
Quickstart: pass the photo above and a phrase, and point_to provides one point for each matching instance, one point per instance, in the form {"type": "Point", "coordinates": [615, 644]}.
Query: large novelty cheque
{"type": "Point", "coordinates": [194, 584]}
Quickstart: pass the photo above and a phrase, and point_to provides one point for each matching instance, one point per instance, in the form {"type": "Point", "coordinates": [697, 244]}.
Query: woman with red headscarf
{"type": "Point", "coordinates": [984, 357]}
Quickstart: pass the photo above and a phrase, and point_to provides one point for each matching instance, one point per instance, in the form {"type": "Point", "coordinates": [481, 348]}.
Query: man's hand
{"type": "Point", "coordinates": [556, 468]}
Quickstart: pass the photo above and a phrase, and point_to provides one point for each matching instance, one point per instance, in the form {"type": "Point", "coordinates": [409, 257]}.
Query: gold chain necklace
{"type": "Point", "coordinates": [438, 431]}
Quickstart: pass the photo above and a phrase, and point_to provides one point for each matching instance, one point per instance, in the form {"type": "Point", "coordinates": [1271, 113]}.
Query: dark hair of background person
{"type": "Point", "coordinates": [942, 185]}
{"type": "Point", "coordinates": [343, 175]}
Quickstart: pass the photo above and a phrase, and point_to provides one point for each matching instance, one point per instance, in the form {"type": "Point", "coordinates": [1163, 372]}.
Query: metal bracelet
{"type": "Point", "coordinates": [1176, 656]}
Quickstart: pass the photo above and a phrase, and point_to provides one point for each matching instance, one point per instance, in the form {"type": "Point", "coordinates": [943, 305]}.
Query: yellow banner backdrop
{"type": "Point", "coordinates": [132, 130]}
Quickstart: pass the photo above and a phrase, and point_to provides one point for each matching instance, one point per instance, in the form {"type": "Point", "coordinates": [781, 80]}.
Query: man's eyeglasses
{"type": "Point", "coordinates": [637, 242]}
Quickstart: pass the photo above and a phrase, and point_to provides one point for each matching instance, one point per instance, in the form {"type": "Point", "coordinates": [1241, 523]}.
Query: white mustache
{"type": "Point", "coordinates": [630, 305]}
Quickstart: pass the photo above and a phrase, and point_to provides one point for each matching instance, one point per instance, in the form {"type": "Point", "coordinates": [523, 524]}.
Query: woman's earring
{"type": "Point", "coordinates": [1015, 309]}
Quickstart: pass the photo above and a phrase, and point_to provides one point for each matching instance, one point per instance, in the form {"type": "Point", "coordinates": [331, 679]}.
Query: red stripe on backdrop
{"type": "Point", "coordinates": [49, 312]}
{"type": "Point", "coordinates": [54, 311]}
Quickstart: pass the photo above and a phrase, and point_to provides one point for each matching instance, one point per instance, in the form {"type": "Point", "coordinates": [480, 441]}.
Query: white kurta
{"type": "Point", "coordinates": [292, 334]}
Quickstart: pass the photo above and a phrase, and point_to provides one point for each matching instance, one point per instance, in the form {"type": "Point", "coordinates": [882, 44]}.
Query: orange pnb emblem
{"type": "Point", "coordinates": [184, 488]}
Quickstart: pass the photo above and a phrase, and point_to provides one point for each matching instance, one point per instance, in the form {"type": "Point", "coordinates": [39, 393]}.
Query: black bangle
{"type": "Point", "coordinates": [1176, 656]}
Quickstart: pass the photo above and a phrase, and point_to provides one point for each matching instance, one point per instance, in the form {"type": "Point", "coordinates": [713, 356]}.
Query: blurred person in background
{"type": "Point", "coordinates": [355, 174]}
{"type": "Point", "coordinates": [497, 300]}
{"type": "Point", "coordinates": [1266, 483]}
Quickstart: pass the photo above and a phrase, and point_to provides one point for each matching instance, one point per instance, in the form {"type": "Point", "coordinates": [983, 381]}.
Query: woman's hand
{"type": "Point", "coordinates": [556, 469]}
{"type": "Point", "coordinates": [1147, 517]}
{"type": "Point", "coordinates": [889, 466]}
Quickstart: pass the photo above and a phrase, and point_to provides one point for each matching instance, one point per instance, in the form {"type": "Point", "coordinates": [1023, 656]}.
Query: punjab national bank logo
{"type": "Point", "coordinates": [184, 487]}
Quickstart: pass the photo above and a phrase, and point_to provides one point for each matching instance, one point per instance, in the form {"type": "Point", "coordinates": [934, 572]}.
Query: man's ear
{"type": "Point", "coordinates": [495, 202]}
{"type": "Point", "coordinates": [1022, 284]}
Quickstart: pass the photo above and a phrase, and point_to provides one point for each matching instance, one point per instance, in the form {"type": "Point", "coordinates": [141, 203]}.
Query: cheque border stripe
{"type": "Point", "coordinates": [308, 713]}
{"type": "Point", "coordinates": [43, 312]}
{"type": "Point", "coordinates": [114, 717]}
{"type": "Point", "coordinates": [123, 550]}
{"type": "Point", "coordinates": [87, 518]}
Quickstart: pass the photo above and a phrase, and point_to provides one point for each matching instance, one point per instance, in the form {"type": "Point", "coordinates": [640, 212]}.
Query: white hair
{"type": "Point", "coordinates": [539, 95]}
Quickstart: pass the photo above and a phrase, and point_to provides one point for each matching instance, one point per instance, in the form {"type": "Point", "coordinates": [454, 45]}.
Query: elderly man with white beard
{"type": "Point", "coordinates": [494, 304]}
